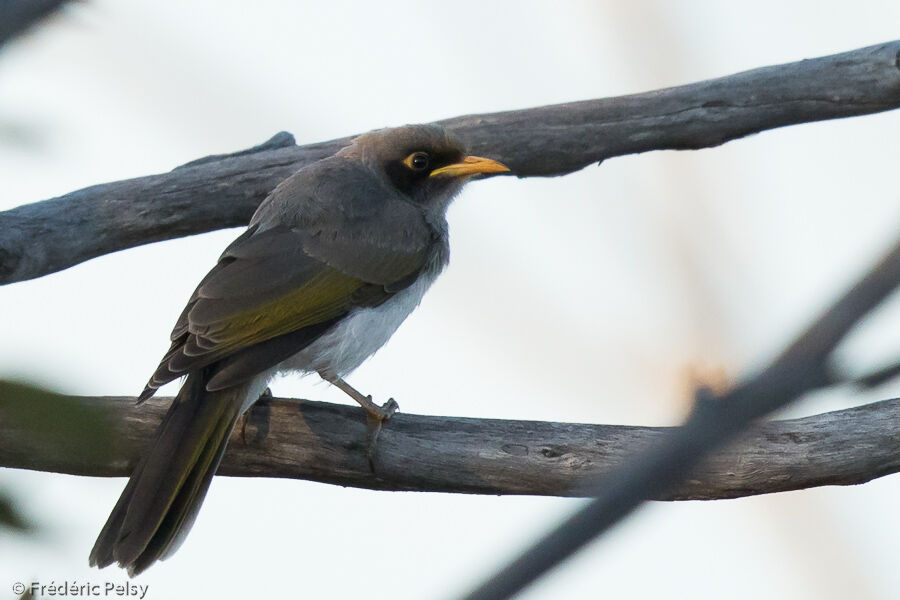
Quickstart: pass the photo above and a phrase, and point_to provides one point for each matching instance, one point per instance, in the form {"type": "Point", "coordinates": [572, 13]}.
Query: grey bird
{"type": "Point", "coordinates": [332, 262]}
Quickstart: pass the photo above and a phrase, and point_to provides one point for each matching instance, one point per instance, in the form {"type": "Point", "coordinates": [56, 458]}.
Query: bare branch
{"type": "Point", "coordinates": [327, 442]}
{"type": "Point", "coordinates": [223, 191]}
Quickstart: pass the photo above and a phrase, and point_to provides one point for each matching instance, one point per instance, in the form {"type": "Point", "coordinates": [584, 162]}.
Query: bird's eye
{"type": "Point", "coordinates": [417, 161]}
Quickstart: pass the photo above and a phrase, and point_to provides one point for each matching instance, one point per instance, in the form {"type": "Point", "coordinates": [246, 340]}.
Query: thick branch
{"type": "Point", "coordinates": [327, 442]}
{"type": "Point", "coordinates": [223, 191]}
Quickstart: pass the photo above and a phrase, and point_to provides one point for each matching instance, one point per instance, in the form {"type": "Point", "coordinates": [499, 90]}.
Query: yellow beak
{"type": "Point", "coordinates": [470, 165]}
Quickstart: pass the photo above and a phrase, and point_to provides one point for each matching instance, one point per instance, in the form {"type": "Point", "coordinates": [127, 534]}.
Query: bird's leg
{"type": "Point", "coordinates": [376, 415]}
{"type": "Point", "coordinates": [381, 413]}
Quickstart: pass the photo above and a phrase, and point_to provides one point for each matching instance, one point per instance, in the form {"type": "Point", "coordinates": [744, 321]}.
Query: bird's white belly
{"type": "Point", "coordinates": [360, 334]}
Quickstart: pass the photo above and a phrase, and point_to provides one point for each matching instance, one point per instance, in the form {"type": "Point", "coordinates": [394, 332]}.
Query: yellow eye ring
{"type": "Point", "coordinates": [417, 161]}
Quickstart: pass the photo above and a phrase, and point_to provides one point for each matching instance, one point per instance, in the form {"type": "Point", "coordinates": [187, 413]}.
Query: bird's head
{"type": "Point", "coordinates": [427, 163]}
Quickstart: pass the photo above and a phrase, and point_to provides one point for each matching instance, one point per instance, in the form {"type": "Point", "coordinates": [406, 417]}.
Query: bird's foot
{"type": "Point", "coordinates": [376, 416]}
{"type": "Point", "coordinates": [381, 412]}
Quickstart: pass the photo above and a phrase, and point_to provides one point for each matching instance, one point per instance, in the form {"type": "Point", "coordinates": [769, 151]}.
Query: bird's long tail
{"type": "Point", "coordinates": [161, 500]}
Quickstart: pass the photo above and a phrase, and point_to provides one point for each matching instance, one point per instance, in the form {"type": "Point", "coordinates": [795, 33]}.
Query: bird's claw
{"type": "Point", "coordinates": [383, 412]}
{"type": "Point", "coordinates": [376, 416]}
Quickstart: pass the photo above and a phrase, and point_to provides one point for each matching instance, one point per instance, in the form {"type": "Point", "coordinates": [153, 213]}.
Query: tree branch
{"type": "Point", "coordinates": [223, 191]}
{"type": "Point", "coordinates": [327, 443]}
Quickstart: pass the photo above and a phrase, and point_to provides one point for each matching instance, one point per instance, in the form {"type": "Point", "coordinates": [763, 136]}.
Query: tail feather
{"type": "Point", "coordinates": [102, 553]}
{"type": "Point", "coordinates": [178, 449]}
{"type": "Point", "coordinates": [181, 514]}
{"type": "Point", "coordinates": [160, 502]}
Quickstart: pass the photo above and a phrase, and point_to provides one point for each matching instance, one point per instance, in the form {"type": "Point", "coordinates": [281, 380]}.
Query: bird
{"type": "Point", "coordinates": [332, 262]}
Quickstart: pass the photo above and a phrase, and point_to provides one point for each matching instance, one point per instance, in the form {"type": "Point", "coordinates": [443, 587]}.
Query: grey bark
{"type": "Point", "coordinates": [327, 443]}
{"type": "Point", "coordinates": [223, 191]}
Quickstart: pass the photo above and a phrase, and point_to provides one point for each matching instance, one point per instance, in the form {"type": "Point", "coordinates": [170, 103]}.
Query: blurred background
{"type": "Point", "coordinates": [595, 297]}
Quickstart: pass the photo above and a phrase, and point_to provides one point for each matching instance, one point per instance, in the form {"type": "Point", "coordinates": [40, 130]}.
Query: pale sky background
{"type": "Point", "coordinates": [583, 298]}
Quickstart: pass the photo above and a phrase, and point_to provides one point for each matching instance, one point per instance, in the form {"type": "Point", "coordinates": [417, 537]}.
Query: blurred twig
{"type": "Point", "coordinates": [223, 191]}
{"type": "Point", "coordinates": [715, 420]}
{"type": "Point", "coordinates": [878, 377]}
{"type": "Point", "coordinates": [61, 426]}
{"type": "Point", "coordinates": [17, 16]}
{"type": "Point", "coordinates": [10, 517]}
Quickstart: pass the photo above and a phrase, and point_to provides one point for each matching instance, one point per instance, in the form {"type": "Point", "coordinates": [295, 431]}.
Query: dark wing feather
{"type": "Point", "coordinates": [245, 300]}
{"type": "Point", "coordinates": [278, 287]}
{"type": "Point", "coordinates": [353, 222]}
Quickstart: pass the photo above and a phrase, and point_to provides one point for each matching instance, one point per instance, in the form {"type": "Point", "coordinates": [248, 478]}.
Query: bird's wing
{"type": "Point", "coordinates": [275, 290]}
